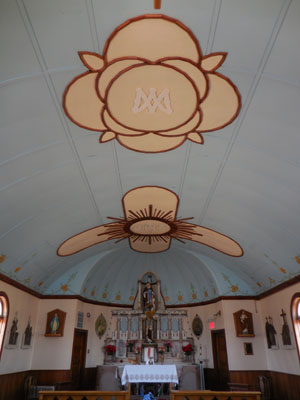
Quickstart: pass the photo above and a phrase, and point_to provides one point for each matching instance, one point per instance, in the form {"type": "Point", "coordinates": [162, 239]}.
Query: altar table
{"type": "Point", "coordinates": [149, 373]}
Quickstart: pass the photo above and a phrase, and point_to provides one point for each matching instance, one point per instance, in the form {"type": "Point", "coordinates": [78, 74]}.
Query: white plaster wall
{"type": "Point", "coordinates": [205, 312]}
{"type": "Point", "coordinates": [54, 352]}
{"type": "Point", "coordinates": [25, 305]}
{"type": "Point", "coordinates": [281, 360]}
{"type": "Point", "coordinates": [95, 355]}
{"type": "Point", "coordinates": [237, 360]}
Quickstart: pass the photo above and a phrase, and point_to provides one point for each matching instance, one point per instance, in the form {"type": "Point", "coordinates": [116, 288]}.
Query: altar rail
{"type": "Point", "coordinates": [210, 395]}
{"type": "Point", "coordinates": [83, 395]}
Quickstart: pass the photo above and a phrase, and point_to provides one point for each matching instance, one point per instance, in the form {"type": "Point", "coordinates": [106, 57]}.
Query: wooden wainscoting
{"type": "Point", "coordinates": [210, 395]}
{"type": "Point", "coordinates": [283, 386]}
{"type": "Point", "coordinates": [12, 386]}
{"type": "Point", "coordinates": [87, 395]}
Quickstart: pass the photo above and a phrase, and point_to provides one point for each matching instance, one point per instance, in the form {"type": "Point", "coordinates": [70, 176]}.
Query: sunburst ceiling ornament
{"type": "Point", "coordinates": [152, 89]}
{"type": "Point", "coordinates": [150, 223]}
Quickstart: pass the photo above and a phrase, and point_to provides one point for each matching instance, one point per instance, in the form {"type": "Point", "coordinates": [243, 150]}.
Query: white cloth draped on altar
{"type": "Point", "coordinates": [149, 373]}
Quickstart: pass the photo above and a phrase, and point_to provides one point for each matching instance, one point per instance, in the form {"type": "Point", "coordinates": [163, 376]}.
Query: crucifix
{"type": "Point", "coordinates": [157, 4]}
{"type": "Point", "coordinates": [286, 338]}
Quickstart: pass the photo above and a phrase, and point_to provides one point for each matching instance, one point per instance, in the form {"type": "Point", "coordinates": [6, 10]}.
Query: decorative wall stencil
{"type": "Point", "coordinates": [100, 326]}
{"type": "Point", "coordinates": [150, 224]}
{"type": "Point", "coordinates": [152, 92]}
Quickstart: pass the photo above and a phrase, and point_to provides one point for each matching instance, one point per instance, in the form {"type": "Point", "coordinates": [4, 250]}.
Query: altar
{"type": "Point", "coordinates": [149, 373]}
{"type": "Point", "coordinates": [149, 333]}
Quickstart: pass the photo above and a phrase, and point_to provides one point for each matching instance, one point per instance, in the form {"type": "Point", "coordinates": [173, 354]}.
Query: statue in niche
{"type": "Point", "coordinates": [13, 336]}
{"type": "Point", "coordinates": [149, 299]}
{"type": "Point", "coordinates": [54, 324]}
{"type": "Point", "coordinates": [243, 323]}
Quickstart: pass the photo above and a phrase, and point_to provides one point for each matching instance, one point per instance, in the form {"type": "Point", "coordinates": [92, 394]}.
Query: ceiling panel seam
{"type": "Point", "coordinates": [41, 59]}
{"type": "Point", "coordinates": [94, 32]}
{"type": "Point", "coordinates": [210, 40]}
{"type": "Point", "coordinates": [26, 153]}
{"type": "Point", "coordinates": [92, 24]}
{"type": "Point", "coordinates": [264, 59]}
{"type": "Point", "coordinates": [213, 26]}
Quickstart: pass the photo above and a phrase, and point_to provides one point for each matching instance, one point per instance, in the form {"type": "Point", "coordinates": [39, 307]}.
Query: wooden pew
{"type": "Point", "coordinates": [84, 394]}
{"type": "Point", "coordinates": [211, 395]}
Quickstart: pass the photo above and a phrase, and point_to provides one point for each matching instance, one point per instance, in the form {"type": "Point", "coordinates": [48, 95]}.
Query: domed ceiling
{"type": "Point", "coordinates": [200, 104]}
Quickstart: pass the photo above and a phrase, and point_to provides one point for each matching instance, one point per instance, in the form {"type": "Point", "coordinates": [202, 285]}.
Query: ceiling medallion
{"type": "Point", "coordinates": [149, 224]}
{"type": "Point", "coordinates": [152, 89]}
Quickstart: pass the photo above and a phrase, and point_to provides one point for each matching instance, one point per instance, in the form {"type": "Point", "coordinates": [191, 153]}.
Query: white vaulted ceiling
{"type": "Point", "coordinates": [57, 180]}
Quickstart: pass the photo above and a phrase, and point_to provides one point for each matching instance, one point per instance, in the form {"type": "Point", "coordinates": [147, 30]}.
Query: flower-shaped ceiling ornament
{"type": "Point", "coordinates": [152, 89]}
{"type": "Point", "coordinates": [150, 224]}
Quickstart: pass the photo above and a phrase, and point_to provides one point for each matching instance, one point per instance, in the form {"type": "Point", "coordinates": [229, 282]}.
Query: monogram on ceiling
{"type": "Point", "coordinates": [150, 224]}
{"type": "Point", "coordinates": [152, 89]}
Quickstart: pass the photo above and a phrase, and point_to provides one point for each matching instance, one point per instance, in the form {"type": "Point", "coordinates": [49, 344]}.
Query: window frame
{"type": "Point", "coordinates": [295, 302]}
{"type": "Point", "coordinates": [3, 319]}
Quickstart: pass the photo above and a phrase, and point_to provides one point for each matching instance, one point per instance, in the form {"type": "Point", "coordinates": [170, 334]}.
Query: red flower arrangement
{"type": "Point", "coordinates": [110, 349]}
{"type": "Point", "coordinates": [188, 349]}
{"type": "Point", "coordinates": [168, 345]}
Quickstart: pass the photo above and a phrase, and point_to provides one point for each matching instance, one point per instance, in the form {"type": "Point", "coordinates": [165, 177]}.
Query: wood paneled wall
{"type": "Point", "coordinates": [12, 385]}
{"type": "Point", "coordinates": [283, 386]}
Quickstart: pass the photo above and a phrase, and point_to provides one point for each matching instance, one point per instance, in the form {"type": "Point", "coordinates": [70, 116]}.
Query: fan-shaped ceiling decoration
{"type": "Point", "coordinates": [152, 89]}
{"type": "Point", "coordinates": [150, 224]}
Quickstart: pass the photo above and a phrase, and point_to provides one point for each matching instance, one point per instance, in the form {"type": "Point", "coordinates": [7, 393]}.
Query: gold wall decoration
{"type": "Point", "coordinates": [150, 224]}
{"type": "Point", "coordinates": [152, 89]}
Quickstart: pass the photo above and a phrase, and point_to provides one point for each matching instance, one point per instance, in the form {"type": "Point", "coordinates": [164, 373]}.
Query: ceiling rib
{"type": "Point", "coordinates": [213, 26]}
{"type": "Point", "coordinates": [210, 41]}
{"type": "Point", "coordinates": [94, 33]}
{"type": "Point", "coordinates": [40, 57]}
{"type": "Point", "coordinates": [266, 54]}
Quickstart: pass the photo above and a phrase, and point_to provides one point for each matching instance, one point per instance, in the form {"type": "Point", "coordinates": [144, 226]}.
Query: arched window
{"type": "Point", "coordinates": [4, 309]}
{"type": "Point", "coordinates": [295, 310]}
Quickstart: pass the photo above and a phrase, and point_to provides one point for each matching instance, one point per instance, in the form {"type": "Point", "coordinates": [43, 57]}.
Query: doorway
{"type": "Point", "coordinates": [220, 360]}
{"type": "Point", "coordinates": [78, 358]}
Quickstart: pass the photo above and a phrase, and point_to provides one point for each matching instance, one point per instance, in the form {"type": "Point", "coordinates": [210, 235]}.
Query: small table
{"type": "Point", "coordinates": [149, 373]}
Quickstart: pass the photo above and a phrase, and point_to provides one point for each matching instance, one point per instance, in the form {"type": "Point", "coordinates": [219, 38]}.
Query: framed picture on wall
{"type": "Point", "coordinates": [27, 336]}
{"type": "Point", "coordinates": [55, 323]}
{"type": "Point", "coordinates": [248, 349]}
{"type": "Point", "coordinates": [243, 322]}
{"type": "Point", "coordinates": [13, 336]}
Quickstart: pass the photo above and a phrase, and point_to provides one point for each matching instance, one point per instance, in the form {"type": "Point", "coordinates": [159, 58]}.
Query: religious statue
{"type": "Point", "coordinates": [149, 330]}
{"type": "Point", "coordinates": [286, 337]}
{"type": "Point", "coordinates": [244, 323]}
{"type": "Point", "coordinates": [54, 324]}
{"type": "Point", "coordinates": [149, 298]}
{"type": "Point", "coordinates": [270, 333]}
{"type": "Point", "coordinates": [13, 336]}
{"type": "Point", "coordinates": [28, 335]}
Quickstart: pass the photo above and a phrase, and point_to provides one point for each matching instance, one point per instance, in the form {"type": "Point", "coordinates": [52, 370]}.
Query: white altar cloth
{"type": "Point", "coordinates": [149, 373]}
